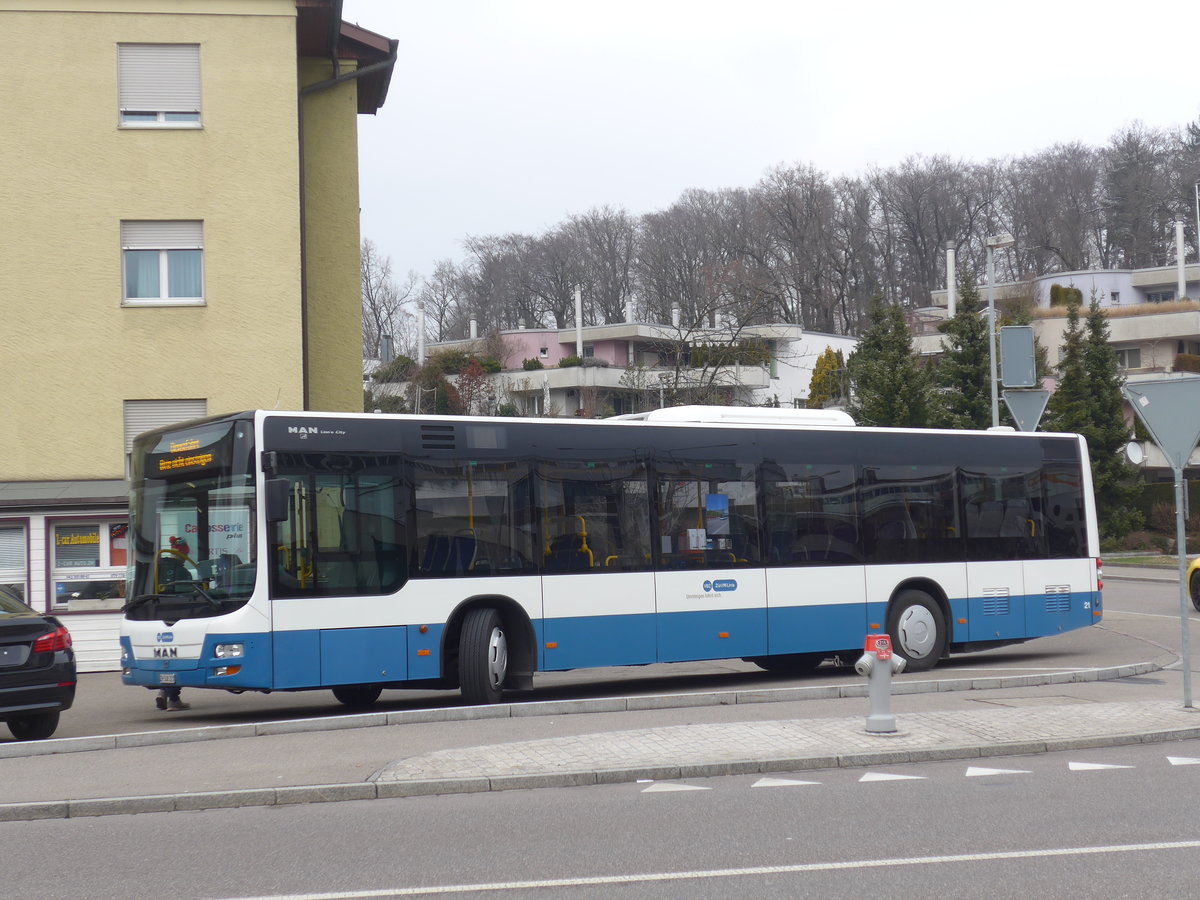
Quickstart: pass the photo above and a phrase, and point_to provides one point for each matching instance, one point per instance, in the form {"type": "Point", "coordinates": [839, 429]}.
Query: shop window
{"type": "Point", "coordinates": [88, 564]}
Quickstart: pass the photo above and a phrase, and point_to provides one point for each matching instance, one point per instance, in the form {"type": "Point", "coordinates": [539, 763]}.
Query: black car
{"type": "Point", "coordinates": [37, 669]}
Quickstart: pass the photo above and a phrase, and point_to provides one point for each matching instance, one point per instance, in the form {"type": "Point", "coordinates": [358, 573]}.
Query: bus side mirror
{"type": "Point", "coordinates": [278, 492]}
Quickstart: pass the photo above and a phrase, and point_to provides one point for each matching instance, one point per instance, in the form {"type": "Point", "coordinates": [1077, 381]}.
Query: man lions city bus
{"type": "Point", "coordinates": [281, 551]}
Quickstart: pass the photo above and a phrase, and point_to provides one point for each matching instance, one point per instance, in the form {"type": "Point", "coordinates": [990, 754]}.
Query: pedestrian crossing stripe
{"type": "Point", "coordinates": [780, 782]}
{"type": "Point", "coordinates": [1183, 761]}
{"type": "Point", "coordinates": [884, 776]}
{"type": "Point", "coordinates": [1089, 767]}
{"type": "Point", "coordinates": [977, 771]}
{"type": "Point", "coordinates": [659, 788]}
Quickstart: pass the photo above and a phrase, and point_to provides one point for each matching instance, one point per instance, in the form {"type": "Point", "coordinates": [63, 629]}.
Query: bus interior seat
{"type": "Point", "coordinates": [989, 519]}
{"type": "Point", "coordinates": [448, 554]}
{"type": "Point", "coordinates": [569, 553]}
{"type": "Point", "coordinates": [437, 554]}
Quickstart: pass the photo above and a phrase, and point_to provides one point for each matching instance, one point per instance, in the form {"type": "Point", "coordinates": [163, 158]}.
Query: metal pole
{"type": "Point", "coordinates": [991, 273]}
{"type": "Point", "coordinates": [1184, 619]}
{"type": "Point", "coordinates": [1197, 221]}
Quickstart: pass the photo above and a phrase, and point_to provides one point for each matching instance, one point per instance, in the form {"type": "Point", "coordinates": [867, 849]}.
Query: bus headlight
{"type": "Point", "coordinates": [226, 651]}
{"type": "Point", "coordinates": [227, 670]}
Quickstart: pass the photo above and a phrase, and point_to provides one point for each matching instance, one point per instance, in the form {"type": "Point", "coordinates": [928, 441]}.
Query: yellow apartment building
{"type": "Point", "coordinates": [181, 239]}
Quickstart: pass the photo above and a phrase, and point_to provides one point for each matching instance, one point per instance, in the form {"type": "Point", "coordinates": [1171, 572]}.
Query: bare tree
{"type": "Point", "coordinates": [382, 300]}
{"type": "Point", "coordinates": [442, 293]}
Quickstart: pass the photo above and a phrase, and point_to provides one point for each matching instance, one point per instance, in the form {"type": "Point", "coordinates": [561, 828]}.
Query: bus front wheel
{"type": "Point", "coordinates": [1194, 589]}
{"type": "Point", "coordinates": [482, 657]}
{"type": "Point", "coordinates": [918, 630]}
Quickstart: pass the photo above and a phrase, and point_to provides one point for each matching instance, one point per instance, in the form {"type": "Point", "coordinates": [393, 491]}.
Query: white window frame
{"type": "Point", "coordinates": [104, 571]}
{"type": "Point", "coordinates": [158, 85]}
{"type": "Point", "coordinates": [161, 236]}
{"type": "Point", "coordinates": [1125, 355]}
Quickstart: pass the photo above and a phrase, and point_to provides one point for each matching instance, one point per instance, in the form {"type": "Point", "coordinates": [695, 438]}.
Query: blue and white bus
{"type": "Point", "coordinates": [277, 551]}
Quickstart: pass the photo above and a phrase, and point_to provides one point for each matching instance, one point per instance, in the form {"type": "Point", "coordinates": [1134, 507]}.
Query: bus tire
{"type": "Point", "coordinates": [357, 695]}
{"type": "Point", "coordinates": [918, 630]}
{"type": "Point", "coordinates": [482, 657]}
{"type": "Point", "coordinates": [1194, 589]}
{"type": "Point", "coordinates": [34, 726]}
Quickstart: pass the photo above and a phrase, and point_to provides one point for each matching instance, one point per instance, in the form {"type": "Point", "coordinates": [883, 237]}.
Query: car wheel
{"type": "Point", "coordinates": [918, 630]}
{"type": "Point", "coordinates": [1194, 589]}
{"type": "Point", "coordinates": [34, 727]}
{"type": "Point", "coordinates": [482, 657]}
{"type": "Point", "coordinates": [358, 695]}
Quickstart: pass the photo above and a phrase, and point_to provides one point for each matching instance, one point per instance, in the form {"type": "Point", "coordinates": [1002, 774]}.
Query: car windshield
{"type": "Point", "coordinates": [193, 531]}
{"type": "Point", "coordinates": [10, 603]}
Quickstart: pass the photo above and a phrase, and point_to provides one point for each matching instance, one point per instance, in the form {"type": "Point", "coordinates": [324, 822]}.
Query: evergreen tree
{"type": "Point", "coordinates": [826, 381]}
{"type": "Point", "coordinates": [888, 384]}
{"type": "Point", "coordinates": [1112, 476]}
{"type": "Point", "coordinates": [1088, 401]}
{"type": "Point", "coordinates": [1069, 408]}
{"type": "Point", "coordinates": [963, 376]}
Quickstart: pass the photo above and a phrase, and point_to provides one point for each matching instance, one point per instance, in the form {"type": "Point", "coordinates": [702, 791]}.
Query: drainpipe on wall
{"type": "Point", "coordinates": [304, 92]}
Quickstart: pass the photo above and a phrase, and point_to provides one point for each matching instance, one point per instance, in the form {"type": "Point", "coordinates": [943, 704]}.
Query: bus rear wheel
{"type": "Point", "coordinates": [918, 630]}
{"type": "Point", "coordinates": [357, 695]}
{"type": "Point", "coordinates": [482, 657]}
{"type": "Point", "coordinates": [1194, 589]}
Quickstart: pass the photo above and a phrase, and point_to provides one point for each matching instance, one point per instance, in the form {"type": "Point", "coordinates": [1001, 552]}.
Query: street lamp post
{"type": "Point", "coordinates": [997, 242]}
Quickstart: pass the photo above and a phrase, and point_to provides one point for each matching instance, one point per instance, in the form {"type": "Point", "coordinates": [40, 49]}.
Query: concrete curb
{"type": "Point", "coordinates": [555, 708]}
{"type": "Point", "coordinates": [333, 793]}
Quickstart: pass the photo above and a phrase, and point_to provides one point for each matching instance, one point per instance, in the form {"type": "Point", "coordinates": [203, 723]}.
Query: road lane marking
{"type": "Point", "coordinates": [977, 771]}
{"type": "Point", "coordinates": [1092, 767]}
{"type": "Point", "coordinates": [748, 872]}
{"type": "Point", "coordinates": [785, 782]}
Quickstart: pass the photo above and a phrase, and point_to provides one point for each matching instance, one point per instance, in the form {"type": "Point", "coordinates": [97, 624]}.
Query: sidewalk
{"type": "Point", "coordinates": [620, 740]}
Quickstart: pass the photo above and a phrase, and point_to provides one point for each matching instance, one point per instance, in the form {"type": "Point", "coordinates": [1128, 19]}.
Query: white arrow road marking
{"type": "Point", "coordinates": [883, 776]}
{"type": "Point", "coordinates": [779, 782]}
{"type": "Point", "coordinates": [1183, 761]}
{"type": "Point", "coordinates": [657, 788]}
{"type": "Point", "coordinates": [1089, 767]}
{"type": "Point", "coordinates": [976, 771]}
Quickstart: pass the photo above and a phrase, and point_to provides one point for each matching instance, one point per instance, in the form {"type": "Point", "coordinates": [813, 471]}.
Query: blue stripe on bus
{"type": "Point", "coordinates": [327, 657]}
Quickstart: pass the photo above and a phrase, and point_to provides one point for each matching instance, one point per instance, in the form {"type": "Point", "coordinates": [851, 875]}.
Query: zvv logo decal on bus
{"type": "Point", "coordinates": [725, 584]}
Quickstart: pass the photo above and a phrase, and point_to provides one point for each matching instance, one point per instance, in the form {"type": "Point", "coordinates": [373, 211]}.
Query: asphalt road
{"type": "Point", "coordinates": [1141, 623]}
{"type": "Point", "coordinates": [1110, 822]}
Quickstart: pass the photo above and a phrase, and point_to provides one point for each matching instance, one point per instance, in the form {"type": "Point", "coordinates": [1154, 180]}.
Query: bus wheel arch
{"type": "Point", "coordinates": [466, 625]}
{"type": "Point", "coordinates": [918, 622]}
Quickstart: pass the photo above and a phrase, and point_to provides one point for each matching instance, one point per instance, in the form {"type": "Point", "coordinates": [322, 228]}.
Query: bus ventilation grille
{"type": "Point", "coordinates": [438, 437]}
{"type": "Point", "coordinates": [996, 602]}
{"type": "Point", "coordinates": [1058, 598]}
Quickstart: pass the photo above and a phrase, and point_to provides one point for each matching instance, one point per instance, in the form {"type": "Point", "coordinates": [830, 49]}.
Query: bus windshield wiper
{"type": "Point", "coordinates": [198, 586]}
{"type": "Point", "coordinates": [135, 602]}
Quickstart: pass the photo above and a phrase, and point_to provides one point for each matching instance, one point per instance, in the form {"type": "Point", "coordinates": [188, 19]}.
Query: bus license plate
{"type": "Point", "coordinates": [166, 677]}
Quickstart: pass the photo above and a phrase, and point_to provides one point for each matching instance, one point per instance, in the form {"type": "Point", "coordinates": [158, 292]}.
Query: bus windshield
{"type": "Point", "coordinates": [192, 523]}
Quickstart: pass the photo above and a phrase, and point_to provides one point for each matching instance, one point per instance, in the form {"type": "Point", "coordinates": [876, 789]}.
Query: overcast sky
{"type": "Point", "coordinates": [510, 115]}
